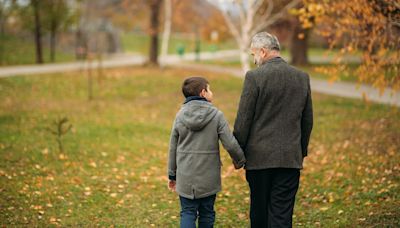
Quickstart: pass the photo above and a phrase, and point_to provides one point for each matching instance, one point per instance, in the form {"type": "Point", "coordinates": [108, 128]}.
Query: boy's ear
{"type": "Point", "coordinates": [202, 93]}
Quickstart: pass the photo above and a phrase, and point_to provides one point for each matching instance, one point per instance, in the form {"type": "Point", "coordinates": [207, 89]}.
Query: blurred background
{"type": "Point", "coordinates": [89, 90]}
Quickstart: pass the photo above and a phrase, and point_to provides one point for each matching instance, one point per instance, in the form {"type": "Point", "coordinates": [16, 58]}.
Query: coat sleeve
{"type": "Point", "coordinates": [172, 152]}
{"type": "Point", "coordinates": [229, 142]}
{"type": "Point", "coordinates": [306, 121]}
{"type": "Point", "coordinates": [246, 110]}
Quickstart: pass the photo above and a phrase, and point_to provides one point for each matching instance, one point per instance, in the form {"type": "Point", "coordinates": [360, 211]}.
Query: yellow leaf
{"type": "Point", "coordinates": [93, 164]}
{"type": "Point", "coordinates": [45, 151]}
{"type": "Point", "coordinates": [62, 157]}
{"type": "Point", "coordinates": [323, 208]}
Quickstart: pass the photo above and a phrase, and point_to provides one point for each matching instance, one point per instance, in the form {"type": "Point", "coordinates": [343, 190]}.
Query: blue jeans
{"type": "Point", "coordinates": [202, 208]}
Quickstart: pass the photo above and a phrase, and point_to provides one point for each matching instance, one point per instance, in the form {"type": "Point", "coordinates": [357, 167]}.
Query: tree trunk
{"type": "Point", "coordinates": [38, 34]}
{"type": "Point", "coordinates": [2, 19]}
{"type": "Point", "coordinates": [154, 23]}
{"type": "Point", "coordinates": [244, 59]}
{"type": "Point", "coordinates": [167, 28]}
{"type": "Point", "coordinates": [299, 44]}
{"type": "Point", "coordinates": [53, 32]}
{"type": "Point", "coordinates": [2, 25]}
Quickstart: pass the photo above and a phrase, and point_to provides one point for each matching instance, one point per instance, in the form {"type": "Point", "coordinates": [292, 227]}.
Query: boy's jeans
{"type": "Point", "coordinates": [193, 208]}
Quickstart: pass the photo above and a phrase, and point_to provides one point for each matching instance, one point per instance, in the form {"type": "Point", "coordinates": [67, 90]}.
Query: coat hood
{"type": "Point", "coordinates": [195, 114]}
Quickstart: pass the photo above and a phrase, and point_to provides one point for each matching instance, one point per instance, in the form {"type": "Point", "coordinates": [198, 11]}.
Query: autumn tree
{"type": "Point", "coordinates": [252, 16]}
{"type": "Point", "coordinates": [298, 45]}
{"type": "Point", "coordinates": [167, 27]}
{"type": "Point", "coordinates": [6, 10]}
{"type": "Point", "coordinates": [6, 7]}
{"type": "Point", "coordinates": [35, 5]}
{"type": "Point", "coordinates": [137, 10]}
{"type": "Point", "coordinates": [368, 27]}
{"type": "Point", "coordinates": [154, 6]}
{"type": "Point", "coordinates": [56, 16]}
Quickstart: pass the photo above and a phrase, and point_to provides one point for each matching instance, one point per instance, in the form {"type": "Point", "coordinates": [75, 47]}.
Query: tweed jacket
{"type": "Point", "coordinates": [275, 117]}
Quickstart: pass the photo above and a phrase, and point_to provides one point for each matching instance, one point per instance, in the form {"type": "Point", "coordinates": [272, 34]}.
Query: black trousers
{"type": "Point", "coordinates": [272, 196]}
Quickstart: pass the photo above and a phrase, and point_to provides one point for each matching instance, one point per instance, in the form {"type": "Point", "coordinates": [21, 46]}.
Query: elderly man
{"type": "Point", "coordinates": [273, 127]}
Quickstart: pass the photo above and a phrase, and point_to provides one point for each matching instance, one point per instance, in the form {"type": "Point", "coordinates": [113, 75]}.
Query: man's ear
{"type": "Point", "coordinates": [264, 52]}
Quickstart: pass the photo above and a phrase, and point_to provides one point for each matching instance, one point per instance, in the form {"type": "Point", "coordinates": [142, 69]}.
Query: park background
{"type": "Point", "coordinates": [89, 90]}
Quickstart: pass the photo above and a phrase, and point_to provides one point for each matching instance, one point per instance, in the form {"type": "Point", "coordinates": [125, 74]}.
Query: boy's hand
{"type": "Point", "coordinates": [172, 185]}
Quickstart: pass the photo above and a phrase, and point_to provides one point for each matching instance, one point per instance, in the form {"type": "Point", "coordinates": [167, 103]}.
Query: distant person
{"type": "Point", "coordinates": [273, 127]}
{"type": "Point", "coordinates": [194, 166]}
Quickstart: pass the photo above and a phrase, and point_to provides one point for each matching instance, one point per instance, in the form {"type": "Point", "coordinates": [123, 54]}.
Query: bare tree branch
{"type": "Point", "coordinates": [395, 23]}
{"type": "Point", "coordinates": [242, 11]}
{"type": "Point", "coordinates": [250, 22]}
{"type": "Point", "coordinates": [235, 31]}
{"type": "Point", "coordinates": [265, 17]}
{"type": "Point", "coordinates": [269, 9]}
{"type": "Point", "coordinates": [256, 4]}
{"type": "Point", "coordinates": [275, 17]}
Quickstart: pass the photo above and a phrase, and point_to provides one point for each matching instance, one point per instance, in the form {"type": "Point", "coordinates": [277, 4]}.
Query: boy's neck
{"type": "Point", "coordinates": [194, 98]}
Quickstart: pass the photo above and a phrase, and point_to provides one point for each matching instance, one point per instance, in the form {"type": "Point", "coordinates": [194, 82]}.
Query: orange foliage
{"type": "Point", "coordinates": [198, 16]}
{"type": "Point", "coordinates": [215, 22]}
{"type": "Point", "coordinates": [368, 27]}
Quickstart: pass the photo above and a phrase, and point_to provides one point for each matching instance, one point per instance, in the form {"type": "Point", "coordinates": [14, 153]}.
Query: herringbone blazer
{"type": "Point", "coordinates": [275, 116]}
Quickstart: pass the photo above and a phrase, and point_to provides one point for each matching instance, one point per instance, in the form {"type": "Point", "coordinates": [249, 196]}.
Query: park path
{"type": "Point", "coordinates": [342, 89]}
{"type": "Point", "coordinates": [114, 61]}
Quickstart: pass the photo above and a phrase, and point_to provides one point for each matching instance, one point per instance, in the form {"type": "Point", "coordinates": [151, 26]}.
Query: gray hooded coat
{"type": "Point", "coordinates": [194, 157]}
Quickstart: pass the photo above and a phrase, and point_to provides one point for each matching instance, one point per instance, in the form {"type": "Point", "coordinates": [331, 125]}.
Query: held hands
{"type": "Point", "coordinates": [237, 166]}
{"type": "Point", "coordinates": [172, 185]}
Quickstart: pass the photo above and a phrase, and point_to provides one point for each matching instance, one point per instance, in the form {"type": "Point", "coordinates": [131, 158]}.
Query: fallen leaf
{"type": "Point", "coordinates": [324, 208]}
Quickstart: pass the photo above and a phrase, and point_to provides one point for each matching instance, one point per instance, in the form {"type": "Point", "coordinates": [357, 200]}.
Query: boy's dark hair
{"type": "Point", "coordinates": [193, 86]}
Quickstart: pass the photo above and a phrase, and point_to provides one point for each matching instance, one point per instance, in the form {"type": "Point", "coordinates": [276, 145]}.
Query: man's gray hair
{"type": "Point", "coordinates": [265, 40]}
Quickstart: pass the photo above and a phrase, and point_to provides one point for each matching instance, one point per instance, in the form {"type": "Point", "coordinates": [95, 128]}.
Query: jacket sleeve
{"type": "Point", "coordinates": [229, 142]}
{"type": "Point", "coordinates": [172, 152]}
{"type": "Point", "coordinates": [306, 121]}
{"type": "Point", "coordinates": [246, 110]}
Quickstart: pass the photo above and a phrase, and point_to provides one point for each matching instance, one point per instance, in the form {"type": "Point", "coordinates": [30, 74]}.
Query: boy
{"type": "Point", "coordinates": [194, 166]}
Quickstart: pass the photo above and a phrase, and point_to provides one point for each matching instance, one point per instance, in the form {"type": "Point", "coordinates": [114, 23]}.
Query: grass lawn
{"type": "Point", "coordinates": [113, 168]}
{"type": "Point", "coordinates": [17, 51]}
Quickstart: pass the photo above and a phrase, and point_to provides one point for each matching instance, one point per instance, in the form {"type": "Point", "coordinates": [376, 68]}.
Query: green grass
{"type": "Point", "coordinates": [113, 169]}
{"type": "Point", "coordinates": [139, 43]}
{"type": "Point", "coordinates": [18, 51]}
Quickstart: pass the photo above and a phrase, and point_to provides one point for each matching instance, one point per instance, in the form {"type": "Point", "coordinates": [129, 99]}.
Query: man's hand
{"type": "Point", "coordinates": [172, 185]}
{"type": "Point", "coordinates": [237, 166]}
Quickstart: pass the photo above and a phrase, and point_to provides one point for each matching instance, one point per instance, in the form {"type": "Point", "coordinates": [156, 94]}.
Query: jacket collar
{"type": "Point", "coordinates": [275, 59]}
{"type": "Point", "coordinates": [194, 98]}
